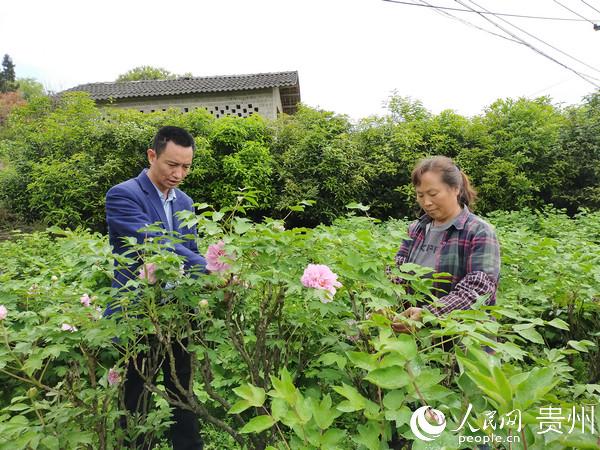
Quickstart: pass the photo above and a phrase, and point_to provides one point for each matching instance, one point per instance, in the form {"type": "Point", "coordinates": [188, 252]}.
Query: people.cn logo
{"type": "Point", "coordinates": [421, 427]}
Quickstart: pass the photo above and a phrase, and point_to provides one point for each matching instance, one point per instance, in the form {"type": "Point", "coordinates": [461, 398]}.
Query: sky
{"type": "Point", "coordinates": [350, 54]}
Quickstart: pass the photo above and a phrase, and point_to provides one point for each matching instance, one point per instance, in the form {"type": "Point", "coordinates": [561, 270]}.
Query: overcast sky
{"type": "Point", "coordinates": [350, 54]}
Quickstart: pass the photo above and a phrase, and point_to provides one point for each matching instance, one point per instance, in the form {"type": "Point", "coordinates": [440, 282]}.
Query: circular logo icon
{"type": "Point", "coordinates": [421, 427]}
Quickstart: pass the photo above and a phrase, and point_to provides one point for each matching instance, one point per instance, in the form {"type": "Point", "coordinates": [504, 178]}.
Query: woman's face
{"type": "Point", "coordinates": [438, 200]}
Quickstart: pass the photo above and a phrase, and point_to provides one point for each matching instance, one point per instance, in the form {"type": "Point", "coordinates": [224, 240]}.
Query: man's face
{"type": "Point", "coordinates": [169, 169]}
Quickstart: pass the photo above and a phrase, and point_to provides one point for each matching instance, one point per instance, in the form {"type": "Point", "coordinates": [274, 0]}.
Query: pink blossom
{"type": "Point", "coordinates": [319, 276]}
{"type": "Point", "coordinates": [67, 327]}
{"type": "Point", "coordinates": [114, 377]}
{"type": "Point", "coordinates": [213, 257]}
{"type": "Point", "coordinates": [85, 300]}
{"type": "Point", "coordinates": [147, 272]}
{"type": "Point", "coordinates": [3, 312]}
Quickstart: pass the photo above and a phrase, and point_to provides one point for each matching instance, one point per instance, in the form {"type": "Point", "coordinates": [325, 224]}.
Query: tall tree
{"type": "Point", "coordinates": [7, 76]}
{"type": "Point", "coordinates": [146, 73]}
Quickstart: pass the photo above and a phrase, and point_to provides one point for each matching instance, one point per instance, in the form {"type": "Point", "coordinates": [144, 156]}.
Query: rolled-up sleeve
{"type": "Point", "coordinates": [483, 272]}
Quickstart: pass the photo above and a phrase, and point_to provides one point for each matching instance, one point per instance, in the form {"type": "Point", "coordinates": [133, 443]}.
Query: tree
{"type": "Point", "coordinates": [30, 88]}
{"type": "Point", "coordinates": [7, 76]}
{"type": "Point", "coordinates": [146, 73]}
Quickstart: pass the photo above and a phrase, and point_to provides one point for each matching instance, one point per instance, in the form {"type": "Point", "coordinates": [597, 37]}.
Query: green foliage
{"type": "Point", "coordinates": [146, 73]}
{"type": "Point", "coordinates": [519, 153]}
{"type": "Point", "coordinates": [281, 365]}
{"type": "Point", "coordinates": [30, 88]}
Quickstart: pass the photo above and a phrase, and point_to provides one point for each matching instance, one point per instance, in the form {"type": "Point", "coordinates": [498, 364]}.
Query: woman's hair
{"type": "Point", "coordinates": [451, 175]}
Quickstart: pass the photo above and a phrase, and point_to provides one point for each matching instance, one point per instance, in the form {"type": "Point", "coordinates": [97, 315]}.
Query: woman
{"type": "Point", "coordinates": [448, 237]}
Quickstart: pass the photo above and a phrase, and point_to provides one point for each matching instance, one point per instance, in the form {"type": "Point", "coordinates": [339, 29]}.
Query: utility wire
{"type": "Point", "coordinates": [574, 12]}
{"type": "Point", "coordinates": [535, 49]}
{"type": "Point", "coordinates": [542, 41]}
{"type": "Point", "coordinates": [591, 6]}
{"type": "Point", "coordinates": [568, 19]}
{"type": "Point", "coordinates": [471, 24]}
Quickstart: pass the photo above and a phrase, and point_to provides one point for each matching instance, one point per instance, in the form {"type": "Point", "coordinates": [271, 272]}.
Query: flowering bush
{"type": "Point", "coordinates": [277, 367]}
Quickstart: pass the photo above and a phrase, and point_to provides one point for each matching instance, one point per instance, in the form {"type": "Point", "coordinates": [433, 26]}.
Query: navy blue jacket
{"type": "Point", "coordinates": [134, 204]}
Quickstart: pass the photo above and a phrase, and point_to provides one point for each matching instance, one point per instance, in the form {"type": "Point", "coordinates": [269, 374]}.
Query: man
{"type": "Point", "coordinates": [153, 197]}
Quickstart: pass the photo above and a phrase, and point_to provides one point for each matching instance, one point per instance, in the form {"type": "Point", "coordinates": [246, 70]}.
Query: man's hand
{"type": "Point", "coordinates": [400, 325]}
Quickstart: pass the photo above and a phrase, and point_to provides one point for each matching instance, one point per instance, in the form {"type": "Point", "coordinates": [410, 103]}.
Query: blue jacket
{"type": "Point", "coordinates": [134, 204]}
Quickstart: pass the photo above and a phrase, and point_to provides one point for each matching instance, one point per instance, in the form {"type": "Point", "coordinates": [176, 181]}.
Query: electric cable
{"type": "Point", "coordinates": [541, 40]}
{"type": "Point", "coordinates": [574, 12]}
{"type": "Point", "coordinates": [535, 49]}
{"type": "Point", "coordinates": [566, 19]}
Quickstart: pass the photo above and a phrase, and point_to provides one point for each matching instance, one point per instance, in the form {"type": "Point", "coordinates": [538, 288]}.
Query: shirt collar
{"type": "Point", "coordinates": [459, 221]}
{"type": "Point", "coordinates": [170, 196]}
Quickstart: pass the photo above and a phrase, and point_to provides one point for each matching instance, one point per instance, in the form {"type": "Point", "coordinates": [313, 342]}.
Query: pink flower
{"type": "Point", "coordinates": [147, 273]}
{"type": "Point", "coordinates": [319, 276]}
{"type": "Point", "coordinates": [213, 257]}
{"type": "Point", "coordinates": [114, 377]}
{"type": "Point", "coordinates": [85, 300]}
{"type": "Point", "coordinates": [67, 327]}
{"type": "Point", "coordinates": [3, 312]}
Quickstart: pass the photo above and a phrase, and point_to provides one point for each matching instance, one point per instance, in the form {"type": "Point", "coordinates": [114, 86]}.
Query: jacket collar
{"type": "Point", "coordinates": [152, 194]}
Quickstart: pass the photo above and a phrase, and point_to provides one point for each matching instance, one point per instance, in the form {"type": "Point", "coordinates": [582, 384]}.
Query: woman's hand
{"type": "Point", "coordinates": [399, 323]}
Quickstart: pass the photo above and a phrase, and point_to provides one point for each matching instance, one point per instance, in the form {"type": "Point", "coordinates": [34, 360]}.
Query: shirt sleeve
{"type": "Point", "coordinates": [483, 271]}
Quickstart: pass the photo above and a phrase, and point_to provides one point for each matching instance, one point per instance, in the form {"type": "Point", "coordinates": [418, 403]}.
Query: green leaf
{"type": "Point", "coordinates": [331, 439]}
{"type": "Point", "coordinates": [393, 377]}
{"type": "Point", "coordinates": [284, 387]}
{"type": "Point", "coordinates": [368, 435]}
{"type": "Point", "coordinates": [323, 413]}
{"type": "Point", "coordinates": [403, 344]}
{"type": "Point", "coordinates": [50, 442]}
{"type": "Point", "coordinates": [531, 335]}
{"type": "Point", "coordinates": [358, 206]}
{"type": "Point", "coordinates": [559, 323]}
{"type": "Point", "coordinates": [394, 399]}
{"type": "Point", "coordinates": [239, 406]}
{"type": "Point", "coordinates": [254, 395]}
{"type": "Point", "coordinates": [258, 424]}
{"type": "Point", "coordinates": [363, 360]}
{"type": "Point", "coordinates": [539, 382]}
{"type": "Point", "coordinates": [355, 402]}
{"type": "Point", "coordinates": [241, 225]}
{"type": "Point", "coordinates": [331, 358]}
{"type": "Point", "coordinates": [581, 346]}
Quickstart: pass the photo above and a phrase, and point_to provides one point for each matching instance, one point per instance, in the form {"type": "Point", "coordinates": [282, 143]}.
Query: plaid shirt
{"type": "Point", "coordinates": [469, 251]}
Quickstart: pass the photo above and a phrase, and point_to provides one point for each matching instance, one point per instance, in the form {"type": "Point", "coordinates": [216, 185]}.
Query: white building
{"type": "Point", "coordinates": [267, 94]}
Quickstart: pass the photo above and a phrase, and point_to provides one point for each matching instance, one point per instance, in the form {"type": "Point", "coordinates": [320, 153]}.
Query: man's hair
{"type": "Point", "coordinates": [177, 135]}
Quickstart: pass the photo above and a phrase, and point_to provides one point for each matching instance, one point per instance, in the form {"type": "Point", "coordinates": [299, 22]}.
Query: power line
{"type": "Point", "coordinates": [535, 49]}
{"type": "Point", "coordinates": [574, 12]}
{"type": "Point", "coordinates": [466, 22]}
{"type": "Point", "coordinates": [586, 3]}
{"type": "Point", "coordinates": [540, 40]}
{"type": "Point", "coordinates": [486, 12]}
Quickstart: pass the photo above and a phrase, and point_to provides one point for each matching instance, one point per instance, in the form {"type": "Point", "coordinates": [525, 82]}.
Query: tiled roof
{"type": "Point", "coordinates": [180, 86]}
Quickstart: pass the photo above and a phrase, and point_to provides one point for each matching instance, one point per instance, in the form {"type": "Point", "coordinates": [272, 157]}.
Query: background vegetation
{"type": "Point", "coordinates": [60, 156]}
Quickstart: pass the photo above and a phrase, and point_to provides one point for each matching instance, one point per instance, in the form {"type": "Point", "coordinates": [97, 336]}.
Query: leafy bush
{"type": "Point", "coordinates": [519, 154]}
{"type": "Point", "coordinates": [282, 365]}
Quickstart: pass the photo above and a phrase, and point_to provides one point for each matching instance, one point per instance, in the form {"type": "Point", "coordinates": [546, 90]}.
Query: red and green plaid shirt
{"type": "Point", "coordinates": [469, 251]}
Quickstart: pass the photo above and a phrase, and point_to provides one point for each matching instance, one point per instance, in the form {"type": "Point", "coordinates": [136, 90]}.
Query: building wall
{"type": "Point", "coordinates": [265, 102]}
